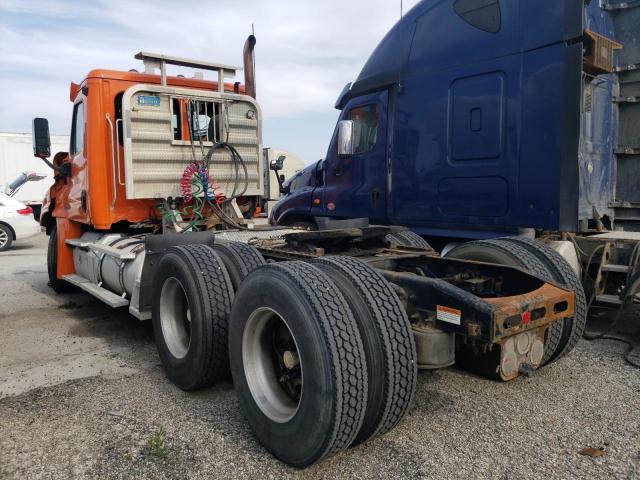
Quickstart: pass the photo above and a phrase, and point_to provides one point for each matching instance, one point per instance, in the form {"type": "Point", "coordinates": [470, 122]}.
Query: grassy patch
{"type": "Point", "coordinates": [157, 445]}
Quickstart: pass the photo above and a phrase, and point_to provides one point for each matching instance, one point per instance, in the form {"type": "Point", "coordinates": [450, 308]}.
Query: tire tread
{"type": "Point", "coordinates": [216, 294]}
{"type": "Point", "coordinates": [245, 258]}
{"type": "Point", "coordinates": [413, 239]}
{"type": "Point", "coordinates": [564, 274]}
{"type": "Point", "coordinates": [58, 285]}
{"type": "Point", "coordinates": [526, 260]}
{"type": "Point", "coordinates": [346, 350]}
{"type": "Point", "coordinates": [250, 256]}
{"type": "Point", "coordinates": [391, 324]}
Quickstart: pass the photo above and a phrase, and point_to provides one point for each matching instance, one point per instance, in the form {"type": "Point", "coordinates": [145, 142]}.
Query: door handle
{"type": "Point", "coordinates": [375, 197]}
{"type": "Point", "coordinates": [341, 164]}
{"type": "Point", "coordinates": [337, 168]}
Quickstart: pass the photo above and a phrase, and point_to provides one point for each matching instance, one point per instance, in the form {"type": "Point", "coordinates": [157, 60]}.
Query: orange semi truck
{"type": "Point", "coordinates": [91, 182]}
{"type": "Point", "coordinates": [322, 331]}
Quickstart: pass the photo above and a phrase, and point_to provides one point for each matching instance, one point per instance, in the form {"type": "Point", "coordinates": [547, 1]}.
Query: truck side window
{"type": "Point", "coordinates": [300, 180]}
{"type": "Point", "coordinates": [482, 14]}
{"type": "Point", "coordinates": [77, 129]}
{"type": "Point", "coordinates": [296, 183]}
{"type": "Point", "coordinates": [365, 127]}
{"type": "Point", "coordinates": [118, 110]}
{"type": "Point", "coordinates": [176, 118]}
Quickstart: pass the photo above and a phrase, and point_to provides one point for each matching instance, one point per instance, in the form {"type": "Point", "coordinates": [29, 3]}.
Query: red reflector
{"type": "Point", "coordinates": [526, 317]}
{"type": "Point", "coordinates": [25, 211]}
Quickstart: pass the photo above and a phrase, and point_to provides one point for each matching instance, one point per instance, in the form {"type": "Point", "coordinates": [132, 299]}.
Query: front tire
{"type": "Point", "coordinates": [192, 300]}
{"type": "Point", "coordinates": [298, 362]}
{"type": "Point", "coordinates": [59, 286]}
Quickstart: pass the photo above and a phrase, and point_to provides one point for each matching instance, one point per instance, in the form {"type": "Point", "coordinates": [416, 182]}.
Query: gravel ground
{"type": "Point", "coordinates": [82, 394]}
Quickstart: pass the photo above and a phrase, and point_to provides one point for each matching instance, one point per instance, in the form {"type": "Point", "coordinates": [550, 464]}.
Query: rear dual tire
{"type": "Point", "coordinates": [193, 294]}
{"type": "Point", "coordinates": [562, 273]}
{"type": "Point", "coordinates": [407, 238]}
{"type": "Point", "coordinates": [543, 262]}
{"type": "Point", "coordinates": [240, 260]}
{"type": "Point", "coordinates": [354, 358]}
{"type": "Point", "coordinates": [322, 355]}
{"type": "Point", "coordinates": [291, 315]}
{"type": "Point", "coordinates": [389, 345]}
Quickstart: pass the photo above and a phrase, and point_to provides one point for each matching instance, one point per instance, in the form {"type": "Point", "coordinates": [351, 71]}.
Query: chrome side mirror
{"type": "Point", "coordinates": [345, 137]}
{"type": "Point", "coordinates": [276, 165]}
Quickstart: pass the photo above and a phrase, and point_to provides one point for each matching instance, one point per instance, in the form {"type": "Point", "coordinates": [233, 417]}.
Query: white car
{"type": "Point", "coordinates": [16, 222]}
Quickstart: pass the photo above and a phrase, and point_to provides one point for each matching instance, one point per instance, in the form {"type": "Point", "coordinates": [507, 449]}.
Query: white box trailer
{"type": "Point", "coordinates": [16, 157]}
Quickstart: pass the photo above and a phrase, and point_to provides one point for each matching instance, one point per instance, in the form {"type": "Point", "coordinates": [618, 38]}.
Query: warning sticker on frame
{"type": "Point", "coordinates": [450, 315]}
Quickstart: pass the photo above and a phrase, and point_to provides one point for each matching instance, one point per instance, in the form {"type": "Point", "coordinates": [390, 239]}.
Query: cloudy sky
{"type": "Point", "coordinates": [306, 52]}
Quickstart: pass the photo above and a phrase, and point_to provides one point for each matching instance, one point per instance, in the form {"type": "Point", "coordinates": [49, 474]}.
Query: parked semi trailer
{"type": "Point", "coordinates": [322, 331]}
{"type": "Point", "coordinates": [476, 119]}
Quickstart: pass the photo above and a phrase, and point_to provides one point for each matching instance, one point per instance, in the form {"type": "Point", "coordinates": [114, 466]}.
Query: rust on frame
{"type": "Point", "coordinates": [530, 310]}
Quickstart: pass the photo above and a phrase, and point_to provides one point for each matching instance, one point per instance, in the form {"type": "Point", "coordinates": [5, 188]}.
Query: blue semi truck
{"type": "Point", "coordinates": [478, 119]}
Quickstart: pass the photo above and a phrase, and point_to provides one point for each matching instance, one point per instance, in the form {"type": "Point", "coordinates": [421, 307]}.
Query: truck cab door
{"type": "Point", "coordinates": [356, 185]}
{"type": "Point", "coordinates": [77, 200]}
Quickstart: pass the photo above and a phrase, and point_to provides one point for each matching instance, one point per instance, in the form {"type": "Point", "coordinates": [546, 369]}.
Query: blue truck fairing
{"type": "Point", "coordinates": [483, 126]}
{"type": "Point", "coordinates": [596, 162]}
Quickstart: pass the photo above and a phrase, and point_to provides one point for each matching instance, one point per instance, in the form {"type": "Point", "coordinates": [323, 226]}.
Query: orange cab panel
{"type": "Point", "coordinates": [95, 192]}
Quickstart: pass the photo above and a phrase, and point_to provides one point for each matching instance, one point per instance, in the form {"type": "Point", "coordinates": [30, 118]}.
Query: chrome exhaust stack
{"type": "Point", "coordinates": [249, 71]}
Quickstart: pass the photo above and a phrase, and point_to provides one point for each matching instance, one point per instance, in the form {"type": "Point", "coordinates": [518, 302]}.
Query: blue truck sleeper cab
{"type": "Point", "coordinates": [466, 122]}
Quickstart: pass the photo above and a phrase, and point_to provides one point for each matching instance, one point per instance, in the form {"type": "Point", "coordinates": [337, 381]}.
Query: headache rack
{"type": "Point", "coordinates": [152, 61]}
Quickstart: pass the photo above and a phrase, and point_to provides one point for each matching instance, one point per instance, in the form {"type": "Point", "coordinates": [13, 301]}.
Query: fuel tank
{"type": "Point", "coordinates": [115, 273]}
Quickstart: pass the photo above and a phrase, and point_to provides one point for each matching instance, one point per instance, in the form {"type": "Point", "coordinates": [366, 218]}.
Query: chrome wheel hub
{"type": "Point", "coordinates": [175, 317]}
{"type": "Point", "coordinates": [272, 365]}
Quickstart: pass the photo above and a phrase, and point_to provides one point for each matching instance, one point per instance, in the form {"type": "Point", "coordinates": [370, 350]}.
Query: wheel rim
{"type": "Point", "coordinates": [4, 238]}
{"type": "Point", "coordinates": [272, 366]}
{"type": "Point", "coordinates": [175, 317]}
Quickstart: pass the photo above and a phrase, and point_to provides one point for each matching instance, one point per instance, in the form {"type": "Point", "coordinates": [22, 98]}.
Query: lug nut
{"type": "Point", "coordinates": [290, 359]}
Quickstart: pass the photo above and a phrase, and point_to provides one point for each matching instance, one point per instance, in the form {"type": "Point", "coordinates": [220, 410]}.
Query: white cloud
{"type": "Point", "coordinates": [306, 51]}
